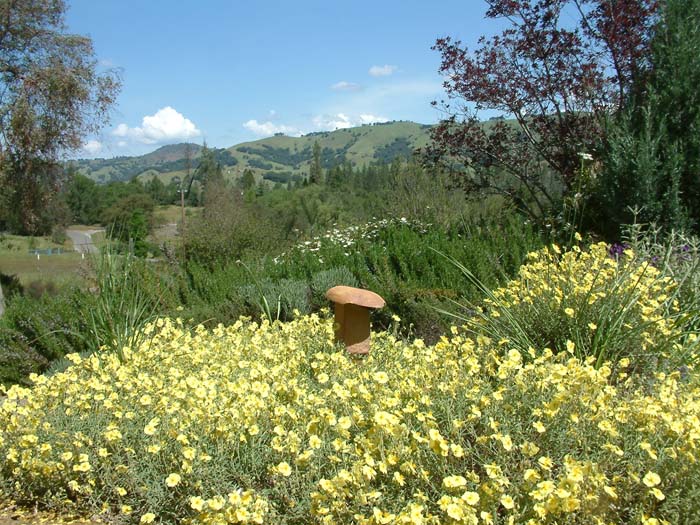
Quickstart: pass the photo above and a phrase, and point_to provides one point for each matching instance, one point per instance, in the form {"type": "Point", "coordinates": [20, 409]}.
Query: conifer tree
{"type": "Point", "coordinates": [316, 172]}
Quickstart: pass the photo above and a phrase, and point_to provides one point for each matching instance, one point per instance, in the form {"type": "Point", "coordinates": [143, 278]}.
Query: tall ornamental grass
{"type": "Point", "coordinates": [260, 423]}
{"type": "Point", "coordinates": [590, 303]}
{"type": "Point", "coordinates": [122, 306]}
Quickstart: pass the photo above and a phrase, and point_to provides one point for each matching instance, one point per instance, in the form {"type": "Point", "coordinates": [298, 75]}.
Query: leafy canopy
{"type": "Point", "coordinates": [558, 68]}
{"type": "Point", "coordinates": [51, 97]}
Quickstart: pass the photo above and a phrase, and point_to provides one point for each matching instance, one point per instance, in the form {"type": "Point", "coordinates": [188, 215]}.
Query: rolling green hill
{"type": "Point", "coordinates": [164, 161]}
{"type": "Point", "coordinates": [277, 159]}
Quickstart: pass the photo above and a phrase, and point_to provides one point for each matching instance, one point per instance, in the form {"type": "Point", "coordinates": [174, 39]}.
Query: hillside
{"type": "Point", "coordinates": [280, 157]}
{"type": "Point", "coordinates": [166, 160]}
{"type": "Point", "coordinates": [277, 159]}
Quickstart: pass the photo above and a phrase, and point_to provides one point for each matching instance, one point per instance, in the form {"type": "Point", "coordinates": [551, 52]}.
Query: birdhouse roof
{"type": "Point", "coordinates": [356, 296]}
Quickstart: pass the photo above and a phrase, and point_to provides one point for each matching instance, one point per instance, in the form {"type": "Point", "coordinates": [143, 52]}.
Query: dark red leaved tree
{"type": "Point", "coordinates": [558, 70]}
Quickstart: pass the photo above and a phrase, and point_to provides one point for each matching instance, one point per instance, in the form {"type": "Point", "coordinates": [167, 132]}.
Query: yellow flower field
{"type": "Point", "coordinates": [260, 423]}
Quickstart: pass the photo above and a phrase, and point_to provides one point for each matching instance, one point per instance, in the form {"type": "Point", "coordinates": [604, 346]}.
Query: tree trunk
{"type": "Point", "coordinates": [2, 302]}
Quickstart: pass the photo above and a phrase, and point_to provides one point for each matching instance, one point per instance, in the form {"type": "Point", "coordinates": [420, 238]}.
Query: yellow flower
{"type": "Point", "coordinates": [455, 512]}
{"type": "Point", "coordinates": [545, 462]}
{"type": "Point", "coordinates": [452, 482]}
{"type": "Point", "coordinates": [531, 475]}
{"type": "Point", "coordinates": [470, 498]}
{"type": "Point", "coordinates": [148, 518]}
{"type": "Point", "coordinates": [657, 494]}
{"type": "Point", "coordinates": [315, 442]}
{"type": "Point", "coordinates": [284, 469]}
{"type": "Point", "coordinates": [381, 377]}
{"type": "Point", "coordinates": [173, 480]}
{"type": "Point", "coordinates": [197, 503]}
{"type": "Point", "coordinates": [610, 492]}
{"type": "Point", "coordinates": [216, 503]}
{"type": "Point", "coordinates": [569, 311]}
{"type": "Point", "coordinates": [651, 479]}
{"type": "Point", "coordinates": [507, 502]}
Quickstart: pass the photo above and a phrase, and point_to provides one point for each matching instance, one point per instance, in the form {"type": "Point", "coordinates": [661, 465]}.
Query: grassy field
{"type": "Point", "coordinates": [16, 259]}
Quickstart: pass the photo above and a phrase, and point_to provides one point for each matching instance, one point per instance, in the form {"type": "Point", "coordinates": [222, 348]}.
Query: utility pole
{"type": "Point", "coordinates": [188, 167]}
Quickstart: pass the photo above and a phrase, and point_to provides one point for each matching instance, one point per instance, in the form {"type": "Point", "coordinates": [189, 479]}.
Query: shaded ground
{"type": "Point", "coordinates": [11, 515]}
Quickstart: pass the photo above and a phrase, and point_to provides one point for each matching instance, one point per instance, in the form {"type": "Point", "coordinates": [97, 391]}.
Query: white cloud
{"type": "Point", "coordinates": [343, 85]}
{"type": "Point", "coordinates": [92, 147]}
{"type": "Point", "coordinates": [382, 71]}
{"type": "Point", "coordinates": [368, 118]}
{"type": "Point", "coordinates": [166, 125]}
{"type": "Point", "coordinates": [267, 129]}
{"type": "Point", "coordinates": [343, 121]}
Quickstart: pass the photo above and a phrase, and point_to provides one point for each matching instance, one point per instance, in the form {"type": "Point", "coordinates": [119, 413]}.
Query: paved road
{"type": "Point", "coordinates": [82, 240]}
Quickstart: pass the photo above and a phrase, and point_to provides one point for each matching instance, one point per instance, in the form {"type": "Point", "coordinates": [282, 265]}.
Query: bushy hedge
{"type": "Point", "coordinates": [401, 260]}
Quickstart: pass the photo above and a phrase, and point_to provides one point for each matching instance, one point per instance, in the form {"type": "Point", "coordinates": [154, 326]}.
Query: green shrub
{"type": "Point", "coordinates": [676, 255]}
{"type": "Point", "coordinates": [123, 305]}
{"type": "Point", "coordinates": [324, 280]}
{"type": "Point", "coordinates": [592, 306]}
{"type": "Point", "coordinates": [34, 332]}
{"type": "Point", "coordinates": [10, 285]}
{"type": "Point", "coordinates": [278, 300]}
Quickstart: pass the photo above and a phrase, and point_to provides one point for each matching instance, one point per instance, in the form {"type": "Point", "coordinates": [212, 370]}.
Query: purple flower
{"type": "Point", "coordinates": [617, 249]}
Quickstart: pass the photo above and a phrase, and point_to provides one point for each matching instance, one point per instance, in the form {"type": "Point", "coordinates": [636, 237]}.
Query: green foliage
{"type": "Point", "coordinates": [247, 181]}
{"type": "Point", "coordinates": [11, 286]}
{"type": "Point", "coordinates": [130, 220]}
{"type": "Point", "coordinates": [315, 170]}
{"type": "Point", "coordinates": [37, 331]}
{"type": "Point", "coordinates": [51, 97]}
{"type": "Point", "coordinates": [399, 148]}
{"type": "Point", "coordinates": [653, 147]}
{"type": "Point", "coordinates": [590, 305]}
{"type": "Point", "coordinates": [83, 199]}
{"type": "Point", "coordinates": [324, 280]}
{"type": "Point", "coordinates": [675, 255]}
{"type": "Point", "coordinates": [123, 305]}
{"type": "Point", "coordinates": [278, 300]}
{"type": "Point", "coordinates": [228, 228]}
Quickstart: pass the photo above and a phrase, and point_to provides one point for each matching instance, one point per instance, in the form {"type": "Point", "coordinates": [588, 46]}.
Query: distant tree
{"type": "Point", "coordinates": [130, 220]}
{"type": "Point", "coordinates": [315, 171]}
{"type": "Point", "coordinates": [158, 191]}
{"type": "Point", "coordinates": [247, 181]}
{"type": "Point", "coordinates": [51, 97]}
{"type": "Point", "coordinates": [559, 69]}
{"type": "Point", "coordinates": [83, 198]}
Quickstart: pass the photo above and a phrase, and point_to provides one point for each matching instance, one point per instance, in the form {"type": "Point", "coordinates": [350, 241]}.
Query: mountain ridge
{"type": "Point", "coordinates": [279, 158]}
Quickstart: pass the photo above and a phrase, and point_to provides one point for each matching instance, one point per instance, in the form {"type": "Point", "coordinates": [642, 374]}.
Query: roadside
{"type": "Point", "coordinates": [82, 239]}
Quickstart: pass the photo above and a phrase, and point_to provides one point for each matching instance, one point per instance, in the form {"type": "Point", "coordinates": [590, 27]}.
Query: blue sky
{"type": "Point", "coordinates": [233, 71]}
